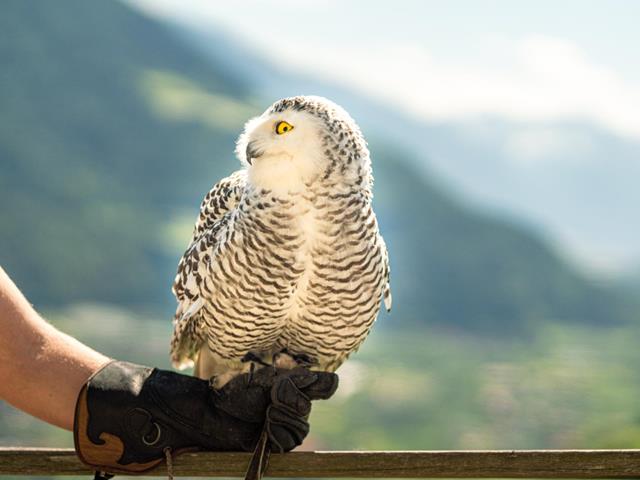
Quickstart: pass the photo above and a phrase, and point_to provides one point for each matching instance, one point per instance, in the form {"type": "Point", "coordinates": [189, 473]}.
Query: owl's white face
{"type": "Point", "coordinates": [282, 150]}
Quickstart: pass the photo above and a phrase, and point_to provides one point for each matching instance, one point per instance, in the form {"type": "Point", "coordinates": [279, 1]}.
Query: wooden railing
{"type": "Point", "coordinates": [388, 464]}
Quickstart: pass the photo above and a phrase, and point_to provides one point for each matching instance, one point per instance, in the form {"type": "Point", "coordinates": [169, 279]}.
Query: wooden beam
{"type": "Point", "coordinates": [389, 464]}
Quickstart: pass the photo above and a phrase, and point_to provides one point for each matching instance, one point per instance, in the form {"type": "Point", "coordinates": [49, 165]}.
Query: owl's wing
{"type": "Point", "coordinates": [215, 210]}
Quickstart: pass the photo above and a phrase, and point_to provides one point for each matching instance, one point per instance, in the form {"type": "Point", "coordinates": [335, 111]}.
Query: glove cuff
{"type": "Point", "coordinates": [118, 426]}
{"type": "Point", "coordinates": [104, 456]}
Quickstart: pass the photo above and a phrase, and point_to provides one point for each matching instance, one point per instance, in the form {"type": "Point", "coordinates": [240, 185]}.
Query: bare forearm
{"type": "Point", "coordinates": [41, 368]}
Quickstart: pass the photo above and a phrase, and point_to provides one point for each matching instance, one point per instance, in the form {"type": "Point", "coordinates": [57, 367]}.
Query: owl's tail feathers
{"type": "Point", "coordinates": [179, 360]}
{"type": "Point", "coordinates": [182, 353]}
{"type": "Point", "coordinates": [184, 342]}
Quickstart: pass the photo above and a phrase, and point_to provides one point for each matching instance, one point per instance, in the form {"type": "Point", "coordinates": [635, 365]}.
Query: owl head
{"type": "Point", "coordinates": [299, 141]}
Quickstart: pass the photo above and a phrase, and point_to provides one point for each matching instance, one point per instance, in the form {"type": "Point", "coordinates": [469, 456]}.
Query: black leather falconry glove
{"type": "Point", "coordinates": [127, 414]}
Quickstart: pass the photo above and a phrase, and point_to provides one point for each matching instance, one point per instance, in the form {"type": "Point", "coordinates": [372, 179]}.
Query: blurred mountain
{"type": "Point", "coordinates": [113, 129]}
{"type": "Point", "coordinates": [631, 282]}
{"type": "Point", "coordinates": [574, 180]}
{"type": "Point", "coordinates": [91, 170]}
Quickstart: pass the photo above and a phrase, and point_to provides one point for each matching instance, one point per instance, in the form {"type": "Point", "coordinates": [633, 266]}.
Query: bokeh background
{"type": "Point", "coordinates": [505, 139]}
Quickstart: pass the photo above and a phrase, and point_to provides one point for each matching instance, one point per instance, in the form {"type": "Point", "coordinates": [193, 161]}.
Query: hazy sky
{"type": "Point", "coordinates": [524, 60]}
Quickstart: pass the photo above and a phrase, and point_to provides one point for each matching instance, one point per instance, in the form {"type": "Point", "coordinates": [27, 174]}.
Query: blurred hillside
{"type": "Point", "coordinates": [93, 171]}
{"type": "Point", "coordinates": [113, 130]}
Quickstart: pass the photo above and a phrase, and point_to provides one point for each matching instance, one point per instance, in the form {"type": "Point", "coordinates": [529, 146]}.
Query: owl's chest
{"type": "Point", "coordinates": [294, 278]}
{"type": "Point", "coordinates": [292, 239]}
{"type": "Point", "coordinates": [321, 257]}
{"type": "Point", "coordinates": [284, 244]}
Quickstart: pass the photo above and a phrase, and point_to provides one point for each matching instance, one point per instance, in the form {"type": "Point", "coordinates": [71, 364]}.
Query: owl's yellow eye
{"type": "Point", "coordinates": [283, 127]}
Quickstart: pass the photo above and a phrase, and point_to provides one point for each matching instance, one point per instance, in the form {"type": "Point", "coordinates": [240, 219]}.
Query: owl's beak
{"type": "Point", "coordinates": [252, 152]}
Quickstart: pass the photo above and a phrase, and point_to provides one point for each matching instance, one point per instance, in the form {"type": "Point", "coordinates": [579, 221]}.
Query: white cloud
{"type": "Point", "coordinates": [543, 79]}
{"type": "Point", "coordinates": [529, 78]}
{"type": "Point", "coordinates": [534, 145]}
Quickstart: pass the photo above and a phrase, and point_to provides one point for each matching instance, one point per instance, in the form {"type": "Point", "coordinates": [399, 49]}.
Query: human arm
{"type": "Point", "coordinates": [142, 411]}
{"type": "Point", "coordinates": [41, 369]}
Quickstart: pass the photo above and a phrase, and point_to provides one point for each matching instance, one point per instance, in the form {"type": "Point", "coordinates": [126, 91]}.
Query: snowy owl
{"type": "Point", "coordinates": [286, 265]}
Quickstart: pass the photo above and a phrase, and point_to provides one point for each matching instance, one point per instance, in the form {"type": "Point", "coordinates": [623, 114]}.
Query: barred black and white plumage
{"type": "Point", "coordinates": [286, 254]}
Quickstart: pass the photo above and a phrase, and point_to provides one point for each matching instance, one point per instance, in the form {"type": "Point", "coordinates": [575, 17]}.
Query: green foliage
{"type": "Point", "coordinates": [565, 387]}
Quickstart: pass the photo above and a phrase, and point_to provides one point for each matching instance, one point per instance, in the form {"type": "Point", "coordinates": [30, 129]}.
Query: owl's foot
{"type": "Point", "coordinates": [304, 360]}
{"type": "Point", "coordinates": [286, 359]}
{"type": "Point", "coordinates": [255, 359]}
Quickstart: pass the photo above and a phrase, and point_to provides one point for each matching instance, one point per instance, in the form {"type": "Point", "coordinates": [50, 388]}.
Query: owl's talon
{"type": "Point", "coordinates": [254, 358]}
{"type": "Point", "coordinates": [304, 360]}
{"type": "Point", "coordinates": [252, 368]}
{"type": "Point", "coordinates": [301, 359]}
